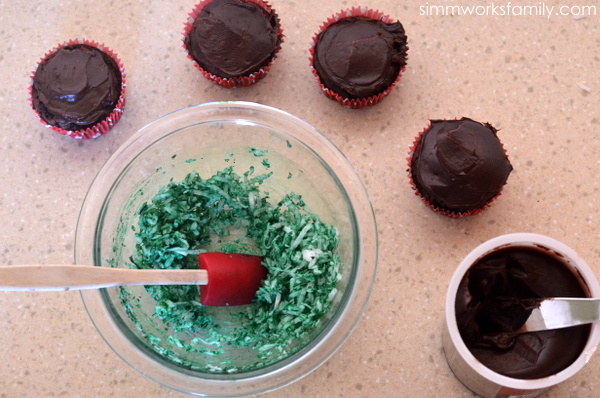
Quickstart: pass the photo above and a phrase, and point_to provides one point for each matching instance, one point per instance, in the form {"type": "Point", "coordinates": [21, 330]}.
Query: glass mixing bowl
{"type": "Point", "coordinates": [206, 139]}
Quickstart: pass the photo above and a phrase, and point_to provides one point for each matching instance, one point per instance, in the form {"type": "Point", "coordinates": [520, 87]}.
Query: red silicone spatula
{"type": "Point", "coordinates": [233, 279]}
{"type": "Point", "coordinates": [227, 279]}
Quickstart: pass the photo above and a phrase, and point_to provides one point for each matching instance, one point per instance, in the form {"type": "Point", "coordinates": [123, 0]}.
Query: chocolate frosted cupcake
{"type": "Point", "coordinates": [458, 167]}
{"type": "Point", "coordinates": [78, 89]}
{"type": "Point", "coordinates": [358, 56]}
{"type": "Point", "coordinates": [233, 42]}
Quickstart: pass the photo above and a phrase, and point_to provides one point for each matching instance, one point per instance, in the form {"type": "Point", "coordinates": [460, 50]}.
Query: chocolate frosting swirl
{"type": "Point", "coordinates": [76, 87]}
{"type": "Point", "coordinates": [459, 165]}
{"type": "Point", "coordinates": [359, 57]}
{"type": "Point", "coordinates": [233, 38]}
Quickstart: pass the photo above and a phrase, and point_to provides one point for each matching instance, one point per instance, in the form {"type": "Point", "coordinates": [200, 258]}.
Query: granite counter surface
{"type": "Point", "coordinates": [534, 77]}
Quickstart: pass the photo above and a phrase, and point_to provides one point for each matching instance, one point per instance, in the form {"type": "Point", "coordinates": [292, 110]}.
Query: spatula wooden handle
{"type": "Point", "coordinates": [75, 277]}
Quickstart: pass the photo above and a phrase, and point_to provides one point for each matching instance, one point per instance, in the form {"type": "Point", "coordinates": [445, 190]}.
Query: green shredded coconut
{"type": "Point", "coordinates": [299, 250]}
{"type": "Point", "coordinates": [258, 152]}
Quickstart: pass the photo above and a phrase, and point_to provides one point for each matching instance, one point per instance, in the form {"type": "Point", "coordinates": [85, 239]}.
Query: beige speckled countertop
{"type": "Point", "coordinates": [536, 78]}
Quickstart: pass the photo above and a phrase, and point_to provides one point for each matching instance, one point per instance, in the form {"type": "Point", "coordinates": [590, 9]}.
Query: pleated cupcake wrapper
{"type": "Point", "coordinates": [241, 81]}
{"type": "Point", "coordinates": [438, 209]}
{"type": "Point", "coordinates": [103, 126]}
{"type": "Point", "coordinates": [354, 103]}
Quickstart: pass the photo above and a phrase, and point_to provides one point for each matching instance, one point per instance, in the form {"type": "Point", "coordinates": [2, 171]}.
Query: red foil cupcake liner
{"type": "Point", "coordinates": [354, 103]}
{"type": "Point", "coordinates": [437, 209]}
{"type": "Point", "coordinates": [241, 81]}
{"type": "Point", "coordinates": [111, 120]}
